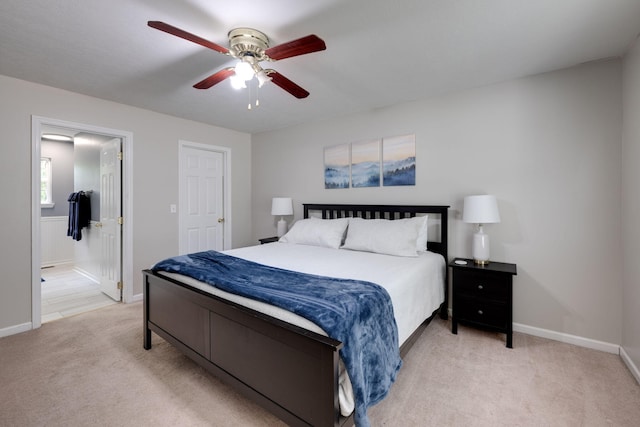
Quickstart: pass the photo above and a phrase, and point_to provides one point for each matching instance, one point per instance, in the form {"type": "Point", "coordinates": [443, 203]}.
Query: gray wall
{"type": "Point", "coordinates": [548, 147]}
{"type": "Point", "coordinates": [75, 167]}
{"type": "Point", "coordinates": [86, 169]}
{"type": "Point", "coordinates": [61, 154]}
{"type": "Point", "coordinates": [631, 207]}
{"type": "Point", "coordinates": [155, 180]}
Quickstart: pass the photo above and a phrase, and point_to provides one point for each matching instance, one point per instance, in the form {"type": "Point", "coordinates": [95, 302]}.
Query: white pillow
{"type": "Point", "coordinates": [317, 232]}
{"type": "Point", "coordinates": [423, 236]}
{"type": "Point", "coordinates": [391, 237]}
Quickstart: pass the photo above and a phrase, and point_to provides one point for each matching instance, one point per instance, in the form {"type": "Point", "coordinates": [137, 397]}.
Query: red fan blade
{"type": "Point", "coordinates": [215, 78]}
{"type": "Point", "coordinates": [297, 47]}
{"type": "Point", "coordinates": [287, 84]}
{"type": "Point", "coordinates": [187, 36]}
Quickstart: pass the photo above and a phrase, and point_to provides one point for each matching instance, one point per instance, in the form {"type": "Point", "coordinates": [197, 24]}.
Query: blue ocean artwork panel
{"type": "Point", "coordinates": [399, 161]}
{"type": "Point", "coordinates": [337, 167]}
{"type": "Point", "coordinates": [365, 164]}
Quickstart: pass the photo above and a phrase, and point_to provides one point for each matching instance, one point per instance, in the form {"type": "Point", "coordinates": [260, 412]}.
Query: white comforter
{"type": "Point", "coordinates": [415, 285]}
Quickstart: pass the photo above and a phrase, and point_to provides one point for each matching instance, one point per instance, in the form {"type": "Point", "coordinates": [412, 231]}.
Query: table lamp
{"type": "Point", "coordinates": [481, 210]}
{"type": "Point", "coordinates": [281, 206]}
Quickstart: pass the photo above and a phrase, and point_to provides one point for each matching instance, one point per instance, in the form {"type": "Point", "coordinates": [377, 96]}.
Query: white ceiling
{"type": "Point", "coordinates": [379, 52]}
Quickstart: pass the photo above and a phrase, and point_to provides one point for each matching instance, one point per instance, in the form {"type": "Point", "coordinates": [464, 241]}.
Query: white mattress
{"type": "Point", "coordinates": [415, 285]}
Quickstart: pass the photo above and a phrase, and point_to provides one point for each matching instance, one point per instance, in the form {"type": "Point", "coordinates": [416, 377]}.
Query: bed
{"type": "Point", "coordinates": [288, 367]}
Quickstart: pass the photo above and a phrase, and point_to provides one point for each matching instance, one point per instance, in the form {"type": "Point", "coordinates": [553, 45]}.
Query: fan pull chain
{"type": "Point", "coordinates": [250, 92]}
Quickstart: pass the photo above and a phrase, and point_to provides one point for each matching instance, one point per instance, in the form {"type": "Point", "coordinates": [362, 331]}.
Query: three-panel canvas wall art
{"type": "Point", "coordinates": [378, 162]}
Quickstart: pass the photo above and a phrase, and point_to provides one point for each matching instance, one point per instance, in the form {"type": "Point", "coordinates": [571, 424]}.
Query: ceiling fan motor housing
{"type": "Point", "coordinates": [248, 42]}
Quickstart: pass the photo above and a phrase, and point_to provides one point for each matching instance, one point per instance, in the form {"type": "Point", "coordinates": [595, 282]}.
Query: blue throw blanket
{"type": "Point", "coordinates": [357, 313]}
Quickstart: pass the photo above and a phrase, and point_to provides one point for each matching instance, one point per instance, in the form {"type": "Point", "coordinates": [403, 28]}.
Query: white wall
{"type": "Point", "coordinates": [87, 252]}
{"type": "Point", "coordinates": [55, 247]}
{"type": "Point", "coordinates": [631, 207]}
{"type": "Point", "coordinates": [155, 180]}
{"type": "Point", "coordinates": [548, 147]}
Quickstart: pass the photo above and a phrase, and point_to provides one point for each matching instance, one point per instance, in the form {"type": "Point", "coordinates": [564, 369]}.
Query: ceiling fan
{"type": "Point", "coordinates": [250, 47]}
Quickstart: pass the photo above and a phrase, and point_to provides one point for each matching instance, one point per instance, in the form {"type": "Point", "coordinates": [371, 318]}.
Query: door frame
{"type": "Point", "coordinates": [37, 123]}
{"type": "Point", "coordinates": [226, 188]}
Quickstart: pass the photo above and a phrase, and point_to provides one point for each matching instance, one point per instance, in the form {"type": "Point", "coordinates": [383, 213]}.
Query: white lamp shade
{"type": "Point", "coordinates": [481, 209]}
{"type": "Point", "coordinates": [237, 82]}
{"type": "Point", "coordinates": [244, 71]}
{"type": "Point", "coordinates": [262, 78]}
{"type": "Point", "coordinates": [281, 206]}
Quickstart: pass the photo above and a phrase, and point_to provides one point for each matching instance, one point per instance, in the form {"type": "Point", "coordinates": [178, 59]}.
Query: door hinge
{"type": "Point", "coordinates": [120, 155]}
{"type": "Point", "coordinates": [120, 285]}
{"type": "Point", "coordinates": [120, 220]}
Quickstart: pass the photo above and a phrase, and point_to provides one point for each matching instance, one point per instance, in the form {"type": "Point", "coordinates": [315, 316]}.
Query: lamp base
{"type": "Point", "coordinates": [282, 227]}
{"type": "Point", "coordinates": [480, 247]}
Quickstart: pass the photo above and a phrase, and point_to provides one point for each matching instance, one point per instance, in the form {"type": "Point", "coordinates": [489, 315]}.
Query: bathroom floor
{"type": "Point", "coordinates": [65, 292]}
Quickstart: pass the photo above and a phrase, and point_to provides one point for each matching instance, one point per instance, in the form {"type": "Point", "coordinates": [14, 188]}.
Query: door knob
{"type": "Point", "coordinates": [220, 219]}
{"type": "Point", "coordinates": [98, 224]}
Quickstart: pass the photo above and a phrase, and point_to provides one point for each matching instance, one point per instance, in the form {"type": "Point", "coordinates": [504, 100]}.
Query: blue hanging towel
{"type": "Point", "coordinates": [79, 214]}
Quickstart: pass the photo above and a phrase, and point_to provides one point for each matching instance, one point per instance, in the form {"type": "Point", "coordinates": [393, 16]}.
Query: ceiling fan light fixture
{"type": "Point", "coordinates": [262, 78]}
{"type": "Point", "coordinates": [244, 70]}
{"type": "Point", "coordinates": [237, 82]}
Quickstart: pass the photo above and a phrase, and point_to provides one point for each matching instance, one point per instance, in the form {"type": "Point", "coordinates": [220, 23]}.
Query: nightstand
{"type": "Point", "coordinates": [268, 240]}
{"type": "Point", "coordinates": [483, 296]}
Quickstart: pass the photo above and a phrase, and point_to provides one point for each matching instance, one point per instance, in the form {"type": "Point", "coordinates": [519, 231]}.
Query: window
{"type": "Point", "coordinates": [46, 199]}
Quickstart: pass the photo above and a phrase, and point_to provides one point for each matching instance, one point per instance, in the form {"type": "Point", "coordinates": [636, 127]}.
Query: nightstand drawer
{"type": "Point", "coordinates": [482, 285]}
{"type": "Point", "coordinates": [482, 312]}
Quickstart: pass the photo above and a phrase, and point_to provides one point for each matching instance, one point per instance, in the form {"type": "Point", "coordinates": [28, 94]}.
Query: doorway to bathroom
{"type": "Point", "coordinates": [80, 249]}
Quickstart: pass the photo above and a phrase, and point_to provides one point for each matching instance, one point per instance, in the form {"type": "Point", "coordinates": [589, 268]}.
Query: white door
{"type": "Point", "coordinates": [111, 219]}
{"type": "Point", "coordinates": [201, 200]}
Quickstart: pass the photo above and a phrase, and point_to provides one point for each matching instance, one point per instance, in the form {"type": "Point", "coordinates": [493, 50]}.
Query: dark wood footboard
{"type": "Point", "coordinates": [288, 370]}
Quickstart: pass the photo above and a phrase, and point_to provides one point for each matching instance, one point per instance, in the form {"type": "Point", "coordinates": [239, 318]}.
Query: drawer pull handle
{"type": "Point", "coordinates": [480, 287]}
{"type": "Point", "coordinates": [480, 312]}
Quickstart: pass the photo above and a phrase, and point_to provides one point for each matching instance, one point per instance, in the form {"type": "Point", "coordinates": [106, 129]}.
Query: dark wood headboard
{"type": "Point", "coordinates": [388, 212]}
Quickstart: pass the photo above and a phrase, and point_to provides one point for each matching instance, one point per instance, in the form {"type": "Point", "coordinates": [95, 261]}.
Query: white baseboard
{"type": "Point", "coordinates": [56, 263]}
{"type": "Point", "coordinates": [87, 274]}
{"type": "Point", "coordinates": [16, 329]}
{"type": "Point", "coordinates": [627, 361]}
{"type": "Point", "coordinates": [567, 338]}
{"type": "Point", "coordinates": [24, 327]}
{"type": "Point", "coordinates": [136, 298]}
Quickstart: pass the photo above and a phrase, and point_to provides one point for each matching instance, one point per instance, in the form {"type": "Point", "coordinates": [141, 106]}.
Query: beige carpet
{"type": "Point", "coordinates": [91, 369]}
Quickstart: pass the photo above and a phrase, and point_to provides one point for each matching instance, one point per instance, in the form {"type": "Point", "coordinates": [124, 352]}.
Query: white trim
{"type": "Point", "coordinates": [16, 329]}
{"type": "Point", "coordinates": [36, 255]}
{"type": "Point", "coordinates": [632, 366]}
{"type": "Point", "coordinates": [226, 201]}
{"type": "Point", "coordinates": [55, 218]}
{"type": "Point", "coordinates": [567, 338]}
{"type": "Point", "coordinates": [85, 273]}
{"type": "Point", "coordinates": [137, 297]}
{"type": "Point", "coordinates": [37, 122]}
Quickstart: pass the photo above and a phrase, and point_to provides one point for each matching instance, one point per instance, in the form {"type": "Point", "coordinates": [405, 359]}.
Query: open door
{"type": "Point", "coordinates": [111, 219]}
